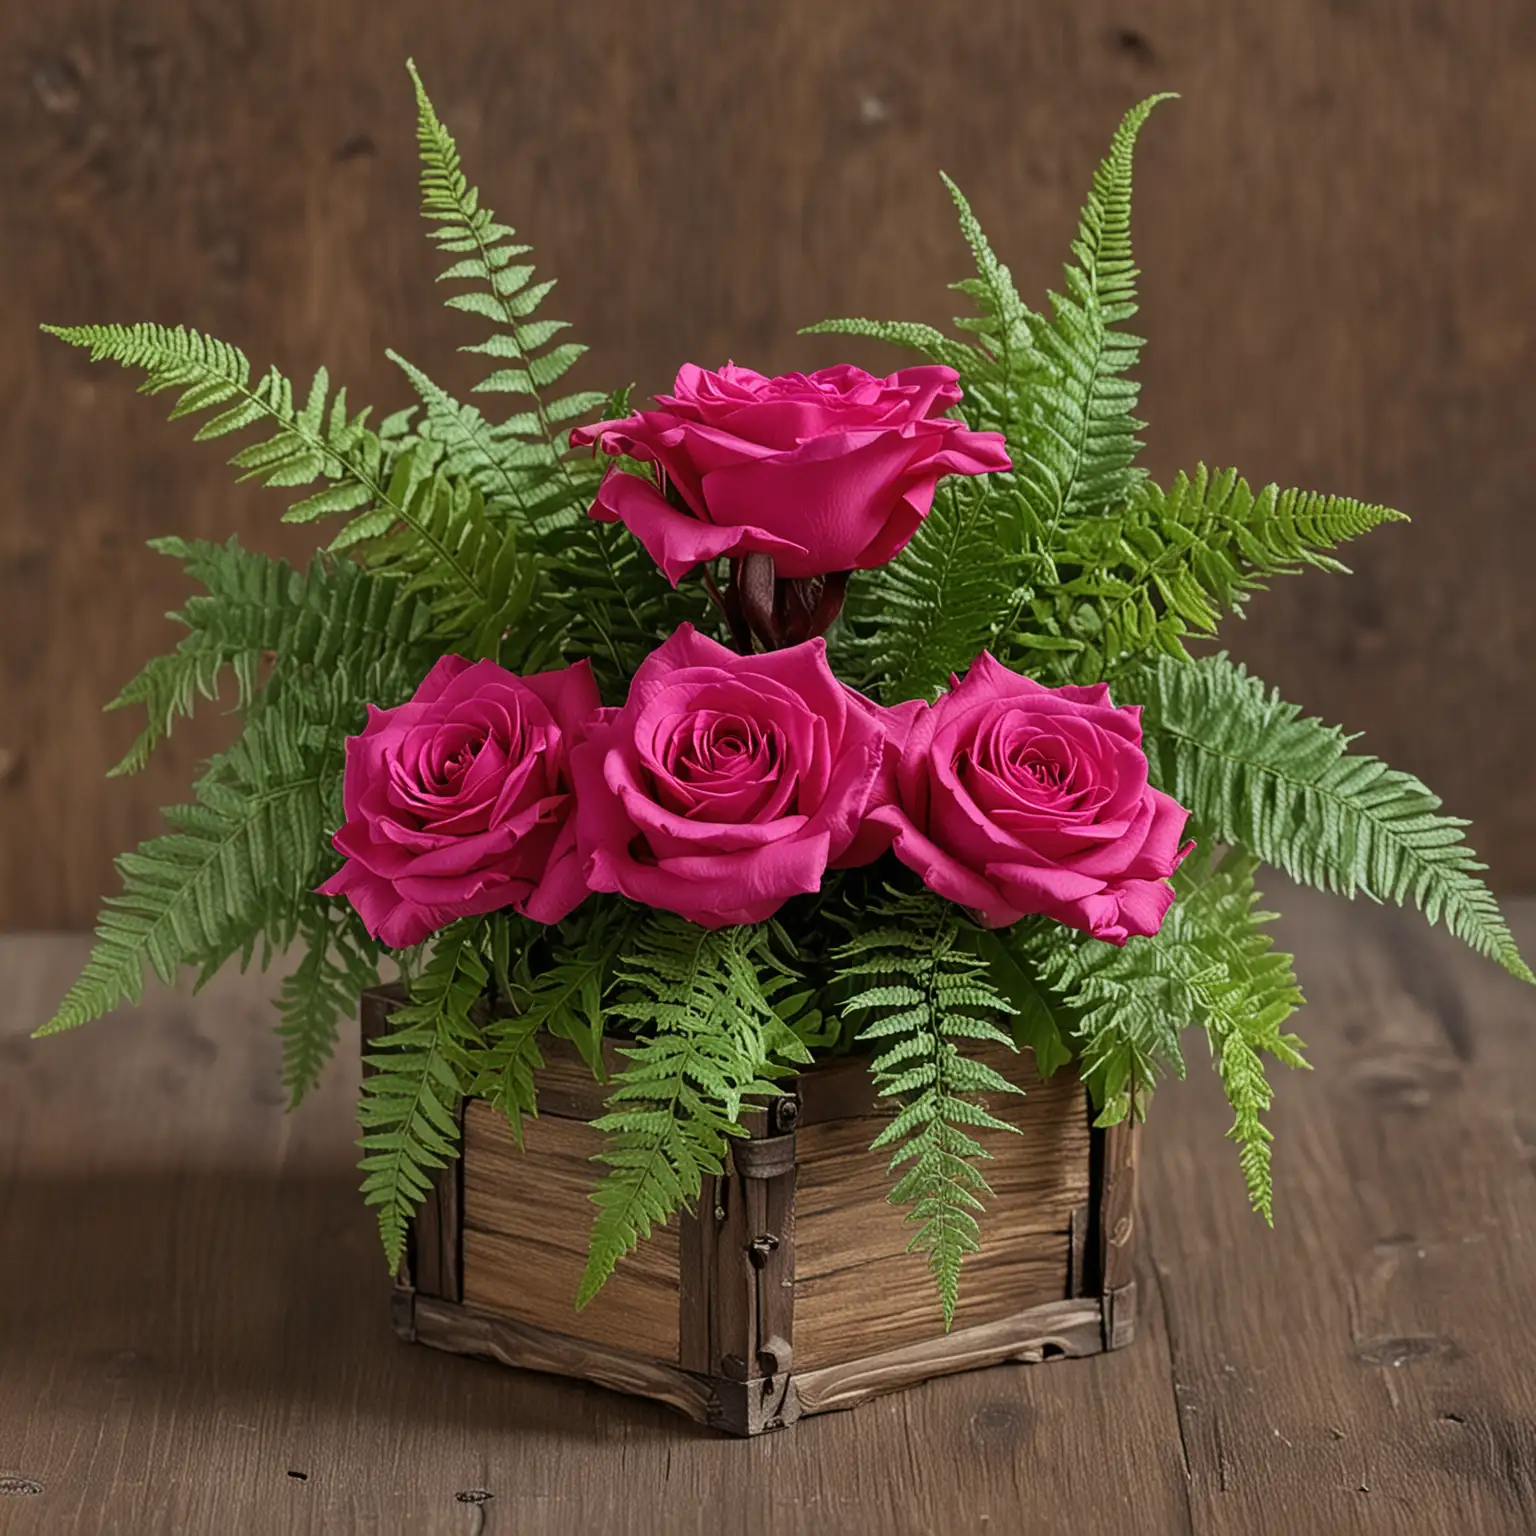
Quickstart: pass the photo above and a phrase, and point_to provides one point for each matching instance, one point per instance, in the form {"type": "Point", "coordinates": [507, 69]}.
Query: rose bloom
{"type": "Point", "coordinates": [1013, 798]}
{"type": "Point", "coordinates": [828, 471]}
{"type": "Point", "coordinates": [726, 784]}
{"type": "Point", "coordinates": [459, 802]}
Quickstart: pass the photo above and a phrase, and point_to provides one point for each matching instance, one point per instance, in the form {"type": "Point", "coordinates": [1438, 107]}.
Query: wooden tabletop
{"type": "Point", "coordinates": [194, 1331]}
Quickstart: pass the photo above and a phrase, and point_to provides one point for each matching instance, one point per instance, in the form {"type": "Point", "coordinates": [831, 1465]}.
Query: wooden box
{"type": "Point", "coordinates": [789, 1291]}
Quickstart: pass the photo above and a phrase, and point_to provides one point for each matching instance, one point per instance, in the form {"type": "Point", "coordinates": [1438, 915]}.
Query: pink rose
{"type": "Point", "coordinates": [1012, 798]}
{"type": "Point", "coordinates": [726, 784]}
{"type": "Point", "coordinates": [459, 802]}
{"type": "Point", "coordinates": [829, 471]}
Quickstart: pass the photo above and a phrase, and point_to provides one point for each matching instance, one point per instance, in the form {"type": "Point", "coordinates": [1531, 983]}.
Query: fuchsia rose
{"type": "Point", "coordinates": [828, 471]}
{"type": "Point", "coordinates": [726, 784]}
{"type": "Point", "coordinates": [1013, 798]}
{"type": "Point", "coordinates": [459, 802]}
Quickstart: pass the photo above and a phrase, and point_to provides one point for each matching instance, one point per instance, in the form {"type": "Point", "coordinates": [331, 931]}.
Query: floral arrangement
{"type": "Point", "coordinates": [791, 717]}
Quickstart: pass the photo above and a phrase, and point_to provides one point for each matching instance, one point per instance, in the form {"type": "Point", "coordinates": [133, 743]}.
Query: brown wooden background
{"type": "Point", "coordinates": [1335, 227]}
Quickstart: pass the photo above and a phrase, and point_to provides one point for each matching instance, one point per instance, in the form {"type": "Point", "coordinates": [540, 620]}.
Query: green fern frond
{"type": "Point", "coordinates": [531, 446]}
{"type": "Point", "coordinates": [235, 863]}
{"type": "Point", "coordinates": [922, 992]}
{"type": "Point", "coordinates": [340, 962]}
{"type": "Point", "coordinates": [1082, 446]}
{"type": "Point", "coordinates": [566, 992]}
{"type": "Point", "coordinates": [1042, 1022]}
{"type": "Point", "coordinates": [611, 603]}
{"type": "Point", "coordinates": [504, 1069]}
{"type": "Point", "coordinates": [967, 360]}
{"type": "Point", "coordinates": [909, 625]}
{"type": "Point", "coordinates": [1129, 1005]}
{"type": "Point", "coordinates": [1254, 771]}
{"type": "Point", "coordinates": [320, 443]}
{"type": "Point", "coordinates": [1215, 915]}
{"type": "Point", "coordinates": [995, 366]}
{"type": "Point", "coordinates": [473, 574]}
{"type": "Point", "coordinates": [320, 440]}
{"type": "Point", "coordinates": [702, 1003]}
{"type": "Point", "coordinates": [1171, 564]}
{"type": "Point", "coordinates": [417, 1075]}
{"type": "Point", "coordinates": [260, 613]}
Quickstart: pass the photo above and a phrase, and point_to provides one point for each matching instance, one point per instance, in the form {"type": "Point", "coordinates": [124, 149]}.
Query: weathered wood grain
{"type": "Point", "coordinates": [1331, 227]}
{"type": "Point", "coordinates": [846, 1226]}
{"type": "Point", "coordinates": [202, 1310]}
{"type": "Point", "coordinates": [1057, 1330]}
{"type": "Point", "coordinates": [526, 1219]}
{"type": "Point", "coordinates": [1394, 1391]}
{"type": "Point", "coordinates": [463, 1332]}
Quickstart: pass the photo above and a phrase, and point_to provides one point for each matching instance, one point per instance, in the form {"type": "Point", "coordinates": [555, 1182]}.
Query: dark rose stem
{"type": "Point", "coordinates": [781, 611]}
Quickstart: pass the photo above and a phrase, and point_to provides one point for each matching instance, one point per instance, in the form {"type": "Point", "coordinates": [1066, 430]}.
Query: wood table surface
{"type": "Point", "coordinates": [194, 1331]}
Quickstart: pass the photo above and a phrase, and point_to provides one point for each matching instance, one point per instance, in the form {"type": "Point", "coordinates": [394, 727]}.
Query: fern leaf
{"type": "Point", "coordinates": [235, 863]}
{"type": "Point", "coordinates": [1215, 916]}
{"type": "Point", "coordinates": [967, 360]}
{"type": "Point", "coordinates": [566, 996]}
{"type": "Point", "coordinates": [701, 1001]}
{"type": "Point", "coordinates": [333, 615]}
{"type": "Point", "coordinates": [926, 615]}
{"type": "Point", "coordinates": [611, 603]}
{"type": "Point", "coordinates": [418, 1073]}
{"type": "Point", "coordinates": [1254, 771]}
{"type": "Point", "coordinates": [326, 986]}
{"type": "Point", "coordinates": [531, 449]}
{"type": "Point", "coordinates": [504, 1070]}
{"type": "Point", "coordinates": [1080, 453]}
{"type": "Point", "coordinates": [308, 443]}
{"type": "Point", "coordinates": [921, 990]}
{"type": "Point", "coordinates": [1171, 564]}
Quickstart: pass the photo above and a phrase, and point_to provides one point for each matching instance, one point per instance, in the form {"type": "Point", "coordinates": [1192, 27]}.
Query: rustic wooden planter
{"type": "Point", "coordinates": [789, 1292]}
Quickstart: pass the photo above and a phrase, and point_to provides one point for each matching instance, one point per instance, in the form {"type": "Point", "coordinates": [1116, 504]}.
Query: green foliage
{"type": "Point", "coordinates": [1216, 916]}
{"type": "Point", "coordinates": [472, 574]}
{"type": "Point", "coordinates": [1080, 453]}
{"type": "Point", "coordinates": [521, 460]}
{"type": "Point", "coordinates": [564, 991]}
{"type": "Point", "coordinates": [701, 1003]}
{"type": "Point", "coordinates": [611, 604]}
{"type": "Point", "coordinates": [1211, 966]}
{"type": "Point", "coordinates": [503, 1070]}
{"type": "Point", "coordinates": [1042, 1022]}
{"type": "Point", "coordinates": [417, 1075]}
{"type": "Point", "coordinates": [257, 609]}
{"type": "Point", "coordinates": [322, 440]}
{"type": "Point", "coordinates": [911, 624]}
{"type": "Point", "coordinates": [236, 863]}
{"type": "Point", "coordinates": [1169, 564]}
{"type": "Point", "coordinates": [1255, 772]}
{"type": "Point", "coordinates": [340, 961]}
{"type": "Point", "coordinates": [1129, 1005]}
{"type": "Point", "coordinates": [469, 573]}
{"type": "Point", "coordinates": [923, 992]}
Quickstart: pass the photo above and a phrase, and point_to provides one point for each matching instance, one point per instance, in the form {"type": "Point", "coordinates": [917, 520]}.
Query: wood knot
{"type": "Point", "coordinates": [1398, 1350]}
{"type": "Point", "coordinates": [474, 1496]}
{"type": "Point", "coordinates": [20, 1487]}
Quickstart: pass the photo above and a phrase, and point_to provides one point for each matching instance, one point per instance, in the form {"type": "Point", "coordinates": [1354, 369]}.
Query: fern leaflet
{"type": "Point", "coordinates": [417, 1074]}
{"type": "Point", "coordinates": [1253, 771]}
{"type": "Point", "coordinates": [326, 986]}
{"type": "Point", "coordinates": [331, 615]}
{"type": "Point", "coordinates": [1171, 564]}
{"type": "Point", "coordinates": [530, 447]}
{"type": "Point", "coordinates": [922, 992]}
{"type": "Point", "coordinates": [701, 1002]}
{"type": "Point", "coordinates": [235, 863]}
{"type": "Point", "coordinates": [927, 614]}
